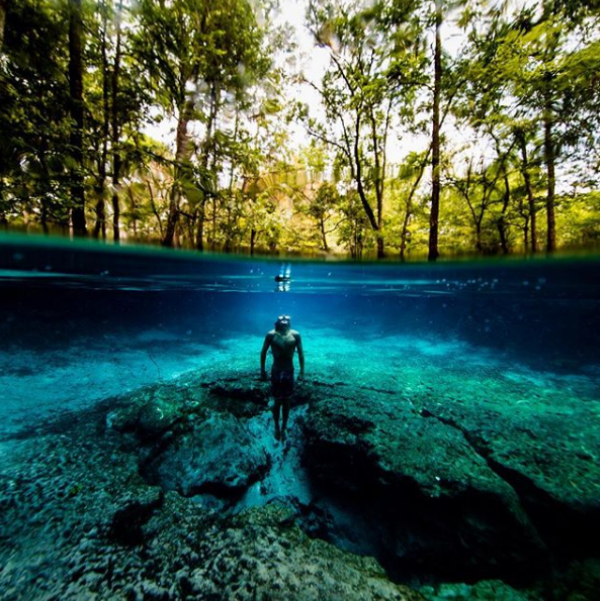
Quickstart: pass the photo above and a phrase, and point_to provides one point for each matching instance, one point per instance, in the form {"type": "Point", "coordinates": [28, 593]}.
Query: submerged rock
{"type": "Point", "coordinates": [193, 437]}
{"type": "Point", "coordinates": [426, 487]}
{"type": "Point", "coordinates": [216, 456]}
{"type": "Point", "coordinates": [261, 554]}
{"type": "Point", "coordinates": [127, 522]}
{"type": "Point", "coordinates": [544, 448]}
{"type": "Point", "coordinates": [487, 590]}
{"type": "Point", "coordinates": [431, 503]}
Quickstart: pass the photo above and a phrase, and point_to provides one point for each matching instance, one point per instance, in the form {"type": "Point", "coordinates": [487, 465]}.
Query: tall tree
{"type": "Point", "coordinates": [115, 124]}
{"type": "Point", "coordinates": [2, 22]}
{"type": "Point", "coordinates": [76, 139]}
{"type": "Point", "coordinates": [100, 225]}
{"type": "Point", "coordinates": [523, 75]}
{"type": "Point", "coordinates": [373, 70]}
{"type": "Point", "coordinates": [435, 137]}
{"type": "Point", "coordinates": [191, 49]}
{"type": "Point", "coordinates": [34, 117]}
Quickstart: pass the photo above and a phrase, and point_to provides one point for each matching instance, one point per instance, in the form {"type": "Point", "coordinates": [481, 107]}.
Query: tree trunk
{"type": "Point", "coordinates": [76, 138]}
{"type": "Point", "coordinates": [550, 159]}
{"type": "Point", "coordinates": [133, 209]}
{"type": "Point", "coordinates": [2, 22]}
{"type": "Point", "coordinates": [501, 224]}
{"type": "Point", "coordinates": [359, 184]}
{"type": "Point", "coordinates": [215, 199]}
{"type": "Point", "coordinates": [404, 234]}
{"type": "Point", "coordinates": [182, 156]}
{"type": "Point", "coordinates": [154, 209]}
{"type": "Point", "coordinates": [100, 225]}
{"type": "Point", "coordinates": [229, 238]}
{"type": "Point", "coordinates": [201, 210]}
{"type": "Point", "coordinates": [116, 133]}
{"type": "Point", "coordinates": [380, 163]}
{"type": "Point", "coordinates": [323, 235]}
{"type": "Point", "coordinates": [435, 139]}
{"type": "Point", "coordinates": [408, 205]}
{"type": "Point", "coordinates": [43, 143]}
{"type": "Point", "coordinates": [200, 228]}
{"type": "Point", "coordinates": [530, 197]}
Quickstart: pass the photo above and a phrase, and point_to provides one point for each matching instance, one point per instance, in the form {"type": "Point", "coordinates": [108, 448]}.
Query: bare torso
{"type": "Point", "coordinates": [283, 346]}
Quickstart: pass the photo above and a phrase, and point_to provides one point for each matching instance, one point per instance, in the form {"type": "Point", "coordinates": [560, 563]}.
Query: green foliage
{"type": "Point", "coordinates": [521, 94]}
{"type": "Point", "coordinates": [34, 115]}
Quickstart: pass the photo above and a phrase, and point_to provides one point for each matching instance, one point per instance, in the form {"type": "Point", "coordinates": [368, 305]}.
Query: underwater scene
{"type": "Point", "coordinates": [184, 427]}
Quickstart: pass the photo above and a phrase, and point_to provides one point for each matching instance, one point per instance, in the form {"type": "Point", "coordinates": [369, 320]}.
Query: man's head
{"type": "Point", "coordinates": [283, 323]}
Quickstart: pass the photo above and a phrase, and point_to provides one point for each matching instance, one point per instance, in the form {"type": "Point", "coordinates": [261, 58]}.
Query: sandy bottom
{"type": "Point", "coordinates": [42, 384]}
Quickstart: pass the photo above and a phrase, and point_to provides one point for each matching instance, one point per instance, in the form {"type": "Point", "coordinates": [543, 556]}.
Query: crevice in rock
{"type": "Point", "coordinates": [417, 539]}
{"type": "Point", "coordinates": [126, 526]}
{"type": "Point", "coordinates": [220, 451]}
{"type": "Point", "coordinates": [559, 526]}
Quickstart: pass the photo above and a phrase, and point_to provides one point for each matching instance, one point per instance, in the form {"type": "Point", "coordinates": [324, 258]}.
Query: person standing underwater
{"type": "Point", "coordinates": [283, 342]}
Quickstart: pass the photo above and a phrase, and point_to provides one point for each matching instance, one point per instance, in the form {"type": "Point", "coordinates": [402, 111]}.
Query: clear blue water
{"type": "Point", "coordinates": [83, 321]}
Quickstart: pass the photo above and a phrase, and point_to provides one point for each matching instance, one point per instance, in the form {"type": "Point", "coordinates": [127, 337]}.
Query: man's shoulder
{"type": "Point", "coordinates": [270, 333]}
{"type": "Point", "coordinates": [295, 333]}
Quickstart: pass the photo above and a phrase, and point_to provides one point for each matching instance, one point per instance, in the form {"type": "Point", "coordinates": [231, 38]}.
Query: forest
{"type": "Point", "coordinates": [405, 129]}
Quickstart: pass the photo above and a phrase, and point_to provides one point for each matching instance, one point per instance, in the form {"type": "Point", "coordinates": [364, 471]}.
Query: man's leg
{"type": "Point", "coordinates": [284, 415]}
{"type": "Point", "coordinates": [276, 406]}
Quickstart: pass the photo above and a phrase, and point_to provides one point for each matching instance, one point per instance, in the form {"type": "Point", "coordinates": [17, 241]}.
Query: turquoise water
{"type": "Point", "coordinates": [83, 323]}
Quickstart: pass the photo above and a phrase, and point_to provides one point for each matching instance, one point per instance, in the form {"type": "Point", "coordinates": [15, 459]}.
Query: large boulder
{"type": "Point", "coordinates": [422, 493]}
{"type": "Point", "coordinates": [546, 447]}
{"type": "Point", "coordinates": [193, 436]}
{"type": "Point", "coordinates": [217, 456]}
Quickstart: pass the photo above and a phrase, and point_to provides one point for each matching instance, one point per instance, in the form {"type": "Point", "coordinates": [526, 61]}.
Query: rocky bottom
{"type": "Point", "coordinates": [179, 491]}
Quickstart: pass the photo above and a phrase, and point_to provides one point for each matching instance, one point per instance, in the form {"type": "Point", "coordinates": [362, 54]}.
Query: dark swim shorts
{"type": "Point", "coordinates": [282, 383]}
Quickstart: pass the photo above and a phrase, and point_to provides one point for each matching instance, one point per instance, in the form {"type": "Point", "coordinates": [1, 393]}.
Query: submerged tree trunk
{"type": "Point", "coordinates": [435, 139]}
{"type": "Point", "coordinates": [76, 138]}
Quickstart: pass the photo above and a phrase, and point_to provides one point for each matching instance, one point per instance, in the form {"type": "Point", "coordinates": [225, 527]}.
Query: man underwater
{"type": "Point", "coordinates": [283, 342]}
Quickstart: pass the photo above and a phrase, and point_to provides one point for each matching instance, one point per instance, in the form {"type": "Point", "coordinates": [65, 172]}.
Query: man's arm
{"type": "Point", "coordinates": [263, 354]}
{"type": "Point", "coordinates": [300, 354]}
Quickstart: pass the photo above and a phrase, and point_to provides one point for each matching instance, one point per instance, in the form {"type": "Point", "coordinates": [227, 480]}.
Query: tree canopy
{"type": "Point", "coordinates": [387, 128]}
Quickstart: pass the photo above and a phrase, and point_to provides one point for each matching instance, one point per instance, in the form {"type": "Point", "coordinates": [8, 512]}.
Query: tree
{"type": "Point", "coordinates": [76, 96]}
{"type": "Point", "coordinates": [368, 77]}
{"type": "Point", "coordinates": [193, 51]}
{"type": "Point", "coordinates": [2, 22]}
{"type": "Point", "coordinates": [35, 121]}
{"type": "Point", "coordinates": [525, 71]}
{"type": "Point", "coordinates": [435, 137]}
